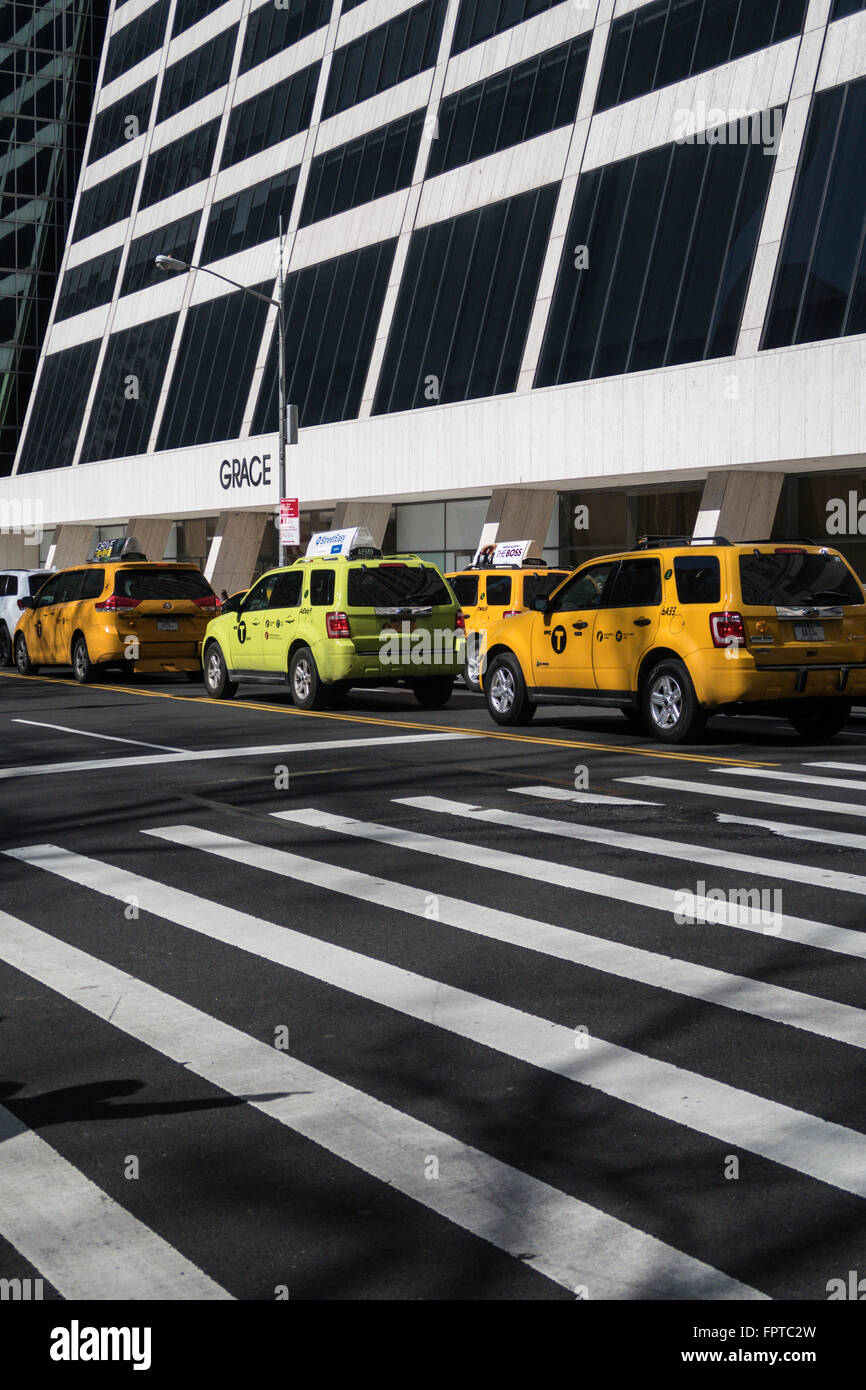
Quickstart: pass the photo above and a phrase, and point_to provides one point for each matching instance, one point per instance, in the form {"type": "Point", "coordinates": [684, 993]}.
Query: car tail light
{"type": "Point", "coordinates": [209, 602]}
{"type": "Point", "coordinates": [789, 550]}
{"type": "Point", "coordinates": [337, 625]}
{"type": "Point", "coordinates": [115, 603]}
{"type": "Point", "coordinates": [459, 621]}
{"type": "Point", "coordinates": [727, 630]}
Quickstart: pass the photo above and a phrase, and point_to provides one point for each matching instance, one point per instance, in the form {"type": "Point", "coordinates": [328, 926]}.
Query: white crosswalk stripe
{"type": "Point", "coordinates": [556, 1234]}
{"type": "Point", "coordinates": [818, 1148]}
{"type": "Point", "coordinates": [729, 793]}
{"type": "Point", "coordinates": [620, 840]}
{"type": "Point", "coordinates": [624, 890]}
{"type": "Point", "coordinates": [82, 1241]}
{"type": "Point", "coordinates": [838, 838]}
{"type": "Point", "coordinates": [587, 798]}
{"type": "Point", "coordinates": [845, 783]}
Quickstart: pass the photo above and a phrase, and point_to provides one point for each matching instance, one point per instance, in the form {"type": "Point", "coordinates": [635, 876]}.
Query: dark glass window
{"type": "Point", "coordinates": [820, 288]}
{"type": "Point", "coordinates": [796, 581]}
{"type": "Point", "coordinates": [498, 589]}
{"type": "Point", "coordinates": [58, 408]}
{"type": "Point", "coordinates": [250, 217]}
{"type": "Point", "coordinates": [584, 591]}
{"type": "Point", "coordinates": [94, 583]}
{"type": "Point", "coordinates": [271, 29]}
{"type": "Point", "coordinates": [87, 285]}
{"type": "Point", "coordinates": [189, 12]}
{"type": "Point", "coordinates": [136, 40]}
{"type": "Point", "coordinates": [332, 313]}
{"type": "Point", "coordinates": [177, 239]}
{"type": "Point", "coordinates": [106, 202]}
{"type": "Point", "coordinates": [383, 586]}
{"type": "Point", "coordinates": [698, 578]}
{"type": "Point", "coordinates": [463, 310]}
{"type": "Point", "coordinates": [183, 162]}
{"type": "Point", "coordinates": [540, 585]}
{"type": "Point", "coordinates": [200, 72]}
{"type": "Point", "coordinates": [128, 390]}
{"type": "Point", "coordinates": [286, 592]}
{"type": "Point", "coordinates": [385, 56]}
{"type": "Point", "coordinates": [146, 584]}
{"type": "Point", "coordinates": [271, 116]}
{"type": "Point", "coordinates": [465, 588]}
{"type": "Point", "coordinates": [515, 105]}
{"type": "Point", "coordinates": [666, 42]}
{"type": "Point", "coordinates": [33, 583]}
{"type": "Point", "coordinates": [350, 5]}
{"type": "Point", "coordinates": [370, 167]}
{"type": "Point", "coordinates": [636, 584]}
{"type": "Point", "coordinates": [480, 19]}
{"type": "Point", "coordinates": [214, 369]}
{"type": "Point", "coordinates": [321, 587]}
{"type": "Point", "coordinates": [657, 259]}
{"type": "Point", "coordinates": [124, 120]}
{"type": "Point", "coordinates": [841, 8]}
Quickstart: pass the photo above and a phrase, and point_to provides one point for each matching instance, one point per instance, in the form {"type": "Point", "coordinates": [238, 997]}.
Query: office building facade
{"type": "Point", "coordinates": [594, 266]}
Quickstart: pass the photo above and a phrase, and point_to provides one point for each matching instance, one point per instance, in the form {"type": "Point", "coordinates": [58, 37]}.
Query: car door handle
{"type": "Point", "coordinates": [642, 622]}
{"type": "Point", "coordinates": [578, 627]}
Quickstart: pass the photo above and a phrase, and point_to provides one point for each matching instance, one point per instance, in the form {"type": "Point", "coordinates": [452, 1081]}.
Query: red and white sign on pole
{"type": "Point", "coordinates": [290, 521]}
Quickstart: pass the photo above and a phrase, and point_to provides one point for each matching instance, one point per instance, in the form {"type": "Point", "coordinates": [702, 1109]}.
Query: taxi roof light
{"type": "Point", "coordinates": [120, 548]}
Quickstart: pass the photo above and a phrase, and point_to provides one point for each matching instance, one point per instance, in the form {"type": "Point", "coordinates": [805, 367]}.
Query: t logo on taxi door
{"type": "Point", "coordinates": [558, 638]}
{"type": "Point", "coordinates": [241, 632]}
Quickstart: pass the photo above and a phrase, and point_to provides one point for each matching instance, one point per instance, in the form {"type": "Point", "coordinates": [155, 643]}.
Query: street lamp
{"type": "Point", "coordinates": [169, 263]}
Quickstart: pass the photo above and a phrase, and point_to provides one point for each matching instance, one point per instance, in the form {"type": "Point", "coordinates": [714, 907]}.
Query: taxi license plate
{"type": "Point", "coordinates": [809, 632]}
{"type": "Point", "coordinates": [167, 624]}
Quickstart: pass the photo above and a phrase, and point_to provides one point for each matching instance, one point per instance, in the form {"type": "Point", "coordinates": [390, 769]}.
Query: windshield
{"type": "Point", "coordinates": [540, 585]}
{"type": "Point", "coordinates": [165, 584]}
{"type": "Point", "coordinates": [797, 580]}
{"type": "Point", "coordinates": [387, 585]}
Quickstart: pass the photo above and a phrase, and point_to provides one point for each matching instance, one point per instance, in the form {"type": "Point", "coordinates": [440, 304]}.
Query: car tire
{"type": "Point", "coordinates": [22, 658]}
{"type": "Point", "coordinates": [83, 668]}
{"type": "Point", "coordinates": [820, 719]}
{"type": "Point", "coordinates": [505, 691]}
{"type": "Point", "coordinates": [7, 655]}
{"type": "Point", "coordinates": [306, 685]}
{"type": "Point", "coordinates": [216, 674]}
{"type": "Point", "coordinates": [432, 692]}
{"type": "Point", "coordinates": [669, 705]}
{"type": "Point", "coordinates": [473, 664]}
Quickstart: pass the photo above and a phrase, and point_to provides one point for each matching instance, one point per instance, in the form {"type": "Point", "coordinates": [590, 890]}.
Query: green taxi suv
{"type": "Point", "coordinates": [344, 615]}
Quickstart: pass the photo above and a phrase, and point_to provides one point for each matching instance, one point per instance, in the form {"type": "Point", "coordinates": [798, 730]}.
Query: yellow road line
{"type": "Point", "coordinates": [390, 723]}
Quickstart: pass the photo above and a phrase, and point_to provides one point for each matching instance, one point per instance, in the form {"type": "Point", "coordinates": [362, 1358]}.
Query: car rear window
{"type": "Point", "coordinates": [540, 585]}
{"type": "Point", "coordinates": [321, 587]}
{"type": "Point", "coordinates": [498, 589]}
{"type": "Point", "coordinates": [698, 578]}
{"type": "Point", "coordinates": [465, 588]}
{"type": "Point", "coordinates": [383, 586]}
{"type": "Point", "coordinates": [166, 584]}
{"type": "Point", "coordinates": [796, 580]}
{"type": "Point", "coordinates": [35, 582]}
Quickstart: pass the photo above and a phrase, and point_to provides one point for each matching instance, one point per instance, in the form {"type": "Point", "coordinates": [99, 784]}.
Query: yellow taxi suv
{"type": "Point", "coordinates": [676, 631]}
{"type": "Point", "coordinates": [119, 611]}
{"type": "Point", "coordinates": [344, 615]}
{"type": "Point", "coordinates": [500, 583]}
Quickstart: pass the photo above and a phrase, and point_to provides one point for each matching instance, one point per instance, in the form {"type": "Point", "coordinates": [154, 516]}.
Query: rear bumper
{"type": "Point", "coordinates": [338, 660]}
{"type": "Point", "coordinates": [746, 681]}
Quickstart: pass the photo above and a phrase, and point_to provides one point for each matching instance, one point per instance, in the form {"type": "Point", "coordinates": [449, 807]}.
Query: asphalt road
{"type": "Point", "coordinates": [374, 1004]}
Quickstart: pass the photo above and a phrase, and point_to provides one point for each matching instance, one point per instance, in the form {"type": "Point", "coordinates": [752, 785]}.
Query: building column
{"type": "Point", "coordinates": [373, 515]}
{"type": "Point", "coordinates": [739, 505]}
{"type": "Point", "coordinates": [72, 545]}
{"type": "Point", "coordinates": [152, 533]}
{"type": "Point", "coordinates": [231, 561]}
{"type": "Point", "coordinates": [519, 514]}
{"type": "Point", "coordinates": [17, 552]}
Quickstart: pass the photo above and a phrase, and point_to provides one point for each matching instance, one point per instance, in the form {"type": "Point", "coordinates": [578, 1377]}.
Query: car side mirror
{"type": "Point", "coordinates": [541, 605]}
{"type": "Point", "coordinates": [26, 602]}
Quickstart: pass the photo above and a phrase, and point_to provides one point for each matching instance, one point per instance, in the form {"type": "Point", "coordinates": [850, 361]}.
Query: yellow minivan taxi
{"type": "Point", "coordinates": [500, 584]}
{"type": "Point", "coordinates": [129, 613]}
{"type": "Point", "coordinates": [678, 630]}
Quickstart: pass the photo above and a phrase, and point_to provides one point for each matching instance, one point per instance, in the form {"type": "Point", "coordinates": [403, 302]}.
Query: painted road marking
{"type": "Point", "coordinates": [818, 1148]}
{"type": "Point", "coordinates": [645, 844]}
{"type": "Point", "coordinates": [840, 767]}
{"type": "Point", "coordinates": [798, 803]}
{"type": "Point", "coordinates": [110, 738]}
{"type": "Point", "coordinates": [589, 798]}
{"type": "Point", "coordinates": [390, 723]}
{"type": "Point", "coordinates": [847, 783]}
{"type": "Point", "coordinates": [79, 1238]}
{"type": "Point", "coordinates": [836, 838]}
{"type": "Point", "coordinates": [215, 754]}
{"type": "Point", "coordinates": [772, 1003]}
{"type": "Point", "coordinates": [623, 890]}
{"type": "Point", "coordinates": [559, 1236]}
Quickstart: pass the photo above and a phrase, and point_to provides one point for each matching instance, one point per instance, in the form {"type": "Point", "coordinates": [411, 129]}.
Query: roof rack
{"type": "Point", "coordinates": [786, 540]}
{"type": "Point", "coordinates": [660, 542]}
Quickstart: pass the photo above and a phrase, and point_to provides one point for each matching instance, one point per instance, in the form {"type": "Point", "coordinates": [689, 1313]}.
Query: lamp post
{"type": "Point", "coordinates": [169, 263]}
